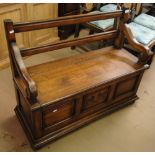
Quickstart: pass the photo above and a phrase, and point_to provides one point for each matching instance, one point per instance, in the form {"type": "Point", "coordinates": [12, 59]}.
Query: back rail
{"type": "Point", "coordinates": [61, 21]}
{"type": "Point", "coordinates": [68, 43]}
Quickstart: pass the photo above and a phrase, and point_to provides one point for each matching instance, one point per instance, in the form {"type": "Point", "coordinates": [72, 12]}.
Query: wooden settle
{"type": "Point", "coordinates": [57, 97]}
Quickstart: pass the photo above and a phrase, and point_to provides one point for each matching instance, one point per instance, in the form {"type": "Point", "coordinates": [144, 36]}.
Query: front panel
{"type": "Point", "coordinates": [58, 114]}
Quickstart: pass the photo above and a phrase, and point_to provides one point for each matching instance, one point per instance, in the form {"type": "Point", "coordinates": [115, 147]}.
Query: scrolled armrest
{"type": "Point", "coordinates": [145, 52]}
{"type": "Point", "coordinates": [31, 89]}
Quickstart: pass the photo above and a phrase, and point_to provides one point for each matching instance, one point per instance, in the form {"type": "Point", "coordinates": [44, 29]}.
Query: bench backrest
{"type": "Point", "coordinates": [12, 28]}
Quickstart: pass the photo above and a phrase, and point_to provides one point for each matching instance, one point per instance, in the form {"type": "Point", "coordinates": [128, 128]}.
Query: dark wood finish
{"type": "Point", "coordinates": [55, 98]}
{"type": "Point", "coordinates": [67, 9]}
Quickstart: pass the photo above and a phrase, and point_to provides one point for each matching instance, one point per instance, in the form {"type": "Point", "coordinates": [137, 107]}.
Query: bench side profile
{"type": "Point", "coordinates": [43, 123]}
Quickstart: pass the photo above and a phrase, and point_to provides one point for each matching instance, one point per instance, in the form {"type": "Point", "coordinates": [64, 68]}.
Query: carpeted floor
{"type": "Point", "coordinates": [129, 129]}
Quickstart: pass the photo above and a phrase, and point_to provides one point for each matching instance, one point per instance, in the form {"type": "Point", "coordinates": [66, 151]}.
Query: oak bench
{"type": "Point", "coordinates": [57, 97]}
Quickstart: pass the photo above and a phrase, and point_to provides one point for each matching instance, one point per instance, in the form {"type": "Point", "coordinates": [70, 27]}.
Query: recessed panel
{"type": "Point", "coordinates": [126, 86]}
{"type": "Point", "coordinates": [94, 99]}
{"type": "Point", "coordinates": [58, 114]}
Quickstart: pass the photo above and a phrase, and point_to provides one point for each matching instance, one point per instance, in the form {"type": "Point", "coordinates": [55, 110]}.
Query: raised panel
{"type": "Point", "coordinates": [126, 87]}
{"type": "Point", "coordinates": [34, 13]}
{"type": "Point", "coordinates": [95, 99]}
{"type": "Point", "coordinates": [58, 114]}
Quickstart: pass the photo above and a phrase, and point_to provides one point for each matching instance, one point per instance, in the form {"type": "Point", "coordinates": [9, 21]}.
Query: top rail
{"type": "Point", "coordinates": [61, 21]}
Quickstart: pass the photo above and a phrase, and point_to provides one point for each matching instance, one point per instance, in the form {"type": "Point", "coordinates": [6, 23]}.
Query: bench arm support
{"type": "Point", "coordinates": [31, 89]}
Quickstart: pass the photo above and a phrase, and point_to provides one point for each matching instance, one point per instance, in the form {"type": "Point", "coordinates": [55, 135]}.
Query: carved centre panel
{"type": "Point", "coordinates": [95, 99]}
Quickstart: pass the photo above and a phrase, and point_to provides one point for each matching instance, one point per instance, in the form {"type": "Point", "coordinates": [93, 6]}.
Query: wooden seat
{"type": "Point", "coordinates": [77, 73]}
